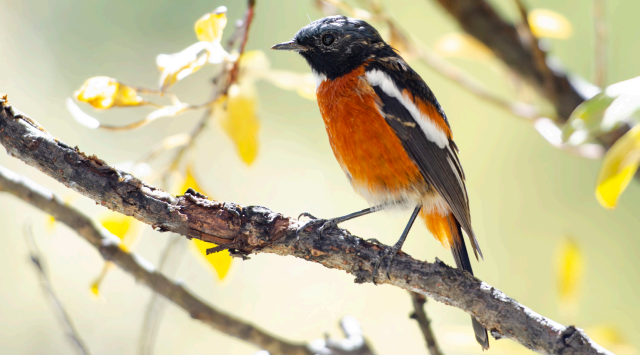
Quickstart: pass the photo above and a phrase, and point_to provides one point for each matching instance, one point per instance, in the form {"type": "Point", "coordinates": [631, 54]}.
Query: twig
{"type": "Point", "coordinates": [600, 77]}
{"type": "Point", "coordinates": [45, 283]}
{"type": "Point", "coordinates": [169, 261]}
{"type": "Point", "coordinates": [247, 25]}
{"type": "Point", "coordinates": [465, 81]}
{"type": "Point", "coordinates": [480, 19]}
{"type": "Point", "coordinates": [254, 229]}
{"type": "Point", "coordinates": [420, 315]}
{"type": "Point", "coordinates": [232, 78]}
{"type": "Point", "coordinates": [143, 271]}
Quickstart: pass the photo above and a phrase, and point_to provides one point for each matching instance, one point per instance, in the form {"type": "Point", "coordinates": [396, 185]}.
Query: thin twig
{"type": "Point", "coordinates": [61, 313]}
{"type": "Point", "coordinates": [232, 76]}
{"type": "Point", "coordinates": [254, 229]}
{"type": "Point", "coordinates": [420, 315]}
{"type": "Point", "coordinates": [600, 77]}
{"type": "Point", "coordinates": [169, 261]}
{"type": "Point", "coordinates": [245, 37]}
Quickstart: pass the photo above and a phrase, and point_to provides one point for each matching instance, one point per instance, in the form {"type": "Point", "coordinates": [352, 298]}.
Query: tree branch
{"type": "Point", "coordinates": [420, 315]}
{"type": "Point", "coordinates": [480, 20]}
{"type": "Point", "coordinates": [47, 288]}
{"type": "Point", "coordinates": [254, 229]}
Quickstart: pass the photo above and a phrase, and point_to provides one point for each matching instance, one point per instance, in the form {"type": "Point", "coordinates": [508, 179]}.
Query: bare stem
{"type": "Point", "coordinates": [56, 304]}
{"type": "Point", "coordinates": [420, 315]}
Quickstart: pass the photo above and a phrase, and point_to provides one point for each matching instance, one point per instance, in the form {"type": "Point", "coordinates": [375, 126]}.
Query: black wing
{"type": "Point", "coordinates": [439, 166]}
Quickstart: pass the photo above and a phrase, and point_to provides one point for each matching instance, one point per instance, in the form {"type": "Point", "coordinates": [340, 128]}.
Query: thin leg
{"type": "Point", "coordinates": [393, 250]}
{"type": "Point", "coordinates": [330, 223]}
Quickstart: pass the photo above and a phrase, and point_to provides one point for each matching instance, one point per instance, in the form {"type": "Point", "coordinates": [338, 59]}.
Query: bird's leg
{"type": "Point", "coordinates": [391, 252]}
{"type": "Point", "coordinates": [330, 223]}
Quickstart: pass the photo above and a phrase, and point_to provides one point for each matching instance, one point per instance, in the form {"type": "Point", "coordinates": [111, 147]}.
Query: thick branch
{"type": "Point", "coordinates": [253, 229]}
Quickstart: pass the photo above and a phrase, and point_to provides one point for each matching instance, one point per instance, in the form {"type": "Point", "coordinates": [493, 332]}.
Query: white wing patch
{"type": "Point", "coordinates": [433, 133]}
{"type": "Point", "coordinates": [319, 78]}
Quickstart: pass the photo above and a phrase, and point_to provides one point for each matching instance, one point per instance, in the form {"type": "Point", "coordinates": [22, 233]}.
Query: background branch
{"type": "Point", "coordinates": [420, 315]}
{"type": "Point", "coordinates": [45, 283]}
{"type": "Point", "coordinates": [479, 19]}
{"type": "Point", "coordinates": [144, 273]}
{"type": "Point", "coordinates": [254, 229]}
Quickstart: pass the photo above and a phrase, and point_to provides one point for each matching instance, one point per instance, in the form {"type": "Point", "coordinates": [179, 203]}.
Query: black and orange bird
{"type": "Point", "coordinates": [388, 133]}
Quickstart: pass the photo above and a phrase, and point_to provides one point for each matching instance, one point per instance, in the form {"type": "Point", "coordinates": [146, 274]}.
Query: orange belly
{"type": "Point", "coordinates": [364, 144]}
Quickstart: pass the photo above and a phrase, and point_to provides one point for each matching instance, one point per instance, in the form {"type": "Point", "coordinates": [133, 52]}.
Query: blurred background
{"type": "Point", "coordinates": [533, 205]}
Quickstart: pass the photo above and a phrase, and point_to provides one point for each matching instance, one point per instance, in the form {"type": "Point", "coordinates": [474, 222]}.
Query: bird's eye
{"type": "Point", "coordinates": [328, 39]}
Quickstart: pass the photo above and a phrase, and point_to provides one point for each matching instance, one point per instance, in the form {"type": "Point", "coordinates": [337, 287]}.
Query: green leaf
{"type": "Point", "coordinates": [587, 116]}
{"type": "Point", "coordinates": [604, 112]}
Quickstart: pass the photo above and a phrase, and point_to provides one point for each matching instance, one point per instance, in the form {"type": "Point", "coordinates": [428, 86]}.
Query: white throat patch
{"type": "Point", "coordinates": [319, 78]}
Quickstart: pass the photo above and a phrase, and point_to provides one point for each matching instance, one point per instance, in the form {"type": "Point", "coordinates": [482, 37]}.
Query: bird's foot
{"type": "Point", "coordinates": [324, 224]}
{"type": "Point", "coordinates": [389, 252]}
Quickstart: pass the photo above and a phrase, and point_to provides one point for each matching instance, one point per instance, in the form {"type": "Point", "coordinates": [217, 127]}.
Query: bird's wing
{"type": "Point", "coordinates": [411, 109]}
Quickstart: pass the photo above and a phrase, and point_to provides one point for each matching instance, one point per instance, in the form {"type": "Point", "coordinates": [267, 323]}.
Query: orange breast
{"type": "Point", "coordinates": [366, 147]}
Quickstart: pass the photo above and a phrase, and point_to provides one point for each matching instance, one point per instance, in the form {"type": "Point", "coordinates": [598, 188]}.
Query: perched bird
{"type": "Point", "coordinates": [388, 133]}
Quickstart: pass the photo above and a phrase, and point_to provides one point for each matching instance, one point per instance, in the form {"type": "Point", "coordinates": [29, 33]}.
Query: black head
{"type": "Point", "coordinates": [335, 45]}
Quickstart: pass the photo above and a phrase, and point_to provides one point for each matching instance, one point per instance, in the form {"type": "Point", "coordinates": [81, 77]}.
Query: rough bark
{"type": "Point", "coordinates": [254, 229]}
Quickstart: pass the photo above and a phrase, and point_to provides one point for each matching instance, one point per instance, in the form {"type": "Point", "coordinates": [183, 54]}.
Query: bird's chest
{"type": "Point", "coordinates": [366, 147]}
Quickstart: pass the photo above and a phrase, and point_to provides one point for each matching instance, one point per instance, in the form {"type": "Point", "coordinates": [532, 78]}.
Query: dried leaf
{"type": "Point", "coordinates": [462, 45]}
{"type": "Point", "coordinates": [210, 26]}
{"type": "Point", "coordinates": [220, 261]}
{"type": "Point", "coordinates": [103, 92]}
{"type": "Point", "coordinates": [80, 116]}
{"type": "Point", "coordinates": [549, 24]}
{"type": "Point", "coordinates": [177, 66]}
{"type": "Point", "coordinates": [238, 116]}
{"type": "Point", "coordinates": [570, 270]}
{"type": "Point", "coordinates": [619, 165]}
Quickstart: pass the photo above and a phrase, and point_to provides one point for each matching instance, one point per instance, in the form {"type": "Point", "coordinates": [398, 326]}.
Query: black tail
{"type": "Point", "coordinates": [459, 250]}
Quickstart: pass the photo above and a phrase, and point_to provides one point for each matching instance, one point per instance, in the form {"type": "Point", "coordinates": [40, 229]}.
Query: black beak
{"type": "Point", "coordinates": [289, 46]}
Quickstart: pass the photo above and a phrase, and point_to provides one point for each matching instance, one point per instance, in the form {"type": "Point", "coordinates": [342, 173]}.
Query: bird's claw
{"type": "Point", "coordinates": [325, 224]}
{"type": "Point", "coordinates": [389, 252]}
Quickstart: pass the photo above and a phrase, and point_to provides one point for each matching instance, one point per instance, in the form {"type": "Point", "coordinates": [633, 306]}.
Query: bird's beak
{"type": "Point", "coordinates": [289, 46]}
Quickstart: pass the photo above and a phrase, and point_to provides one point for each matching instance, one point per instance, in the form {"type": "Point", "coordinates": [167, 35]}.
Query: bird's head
{"type": "Point", "coordinates": [335, 45]}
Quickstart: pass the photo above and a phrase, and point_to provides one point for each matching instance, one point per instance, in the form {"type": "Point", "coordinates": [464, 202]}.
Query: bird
{"type": "Point", "coordinates": [389, 135]}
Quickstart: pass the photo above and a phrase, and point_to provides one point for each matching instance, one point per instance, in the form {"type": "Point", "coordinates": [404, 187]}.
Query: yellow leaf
{"type": "Point", "coordinates": [220, 261]}
{"type": "Point", "coordinates": [618, 167]}
{"type": "Point", "coordinates": [50, 224]}
{"type": "Point", "coordinates": [177, 66]}
{"type": "Point", "coordinates": [190, 182]}
{"type": "Point", "coordinates": [210, 26]}
{"type": "Point", "coordinates": [462, 45]}
{"type": "Point", "coordinates": [95, 285]}
{"type": "Point", "coordinates": [570, 270]}
{"type": "Point", "coordinates": [103, 92]}
{"type": "Point", "coordinates": [611, 338]}
{"type": "Point", "coordinates": [549, 24]}
{"type": "Point", "coordinates": [239, 120]}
